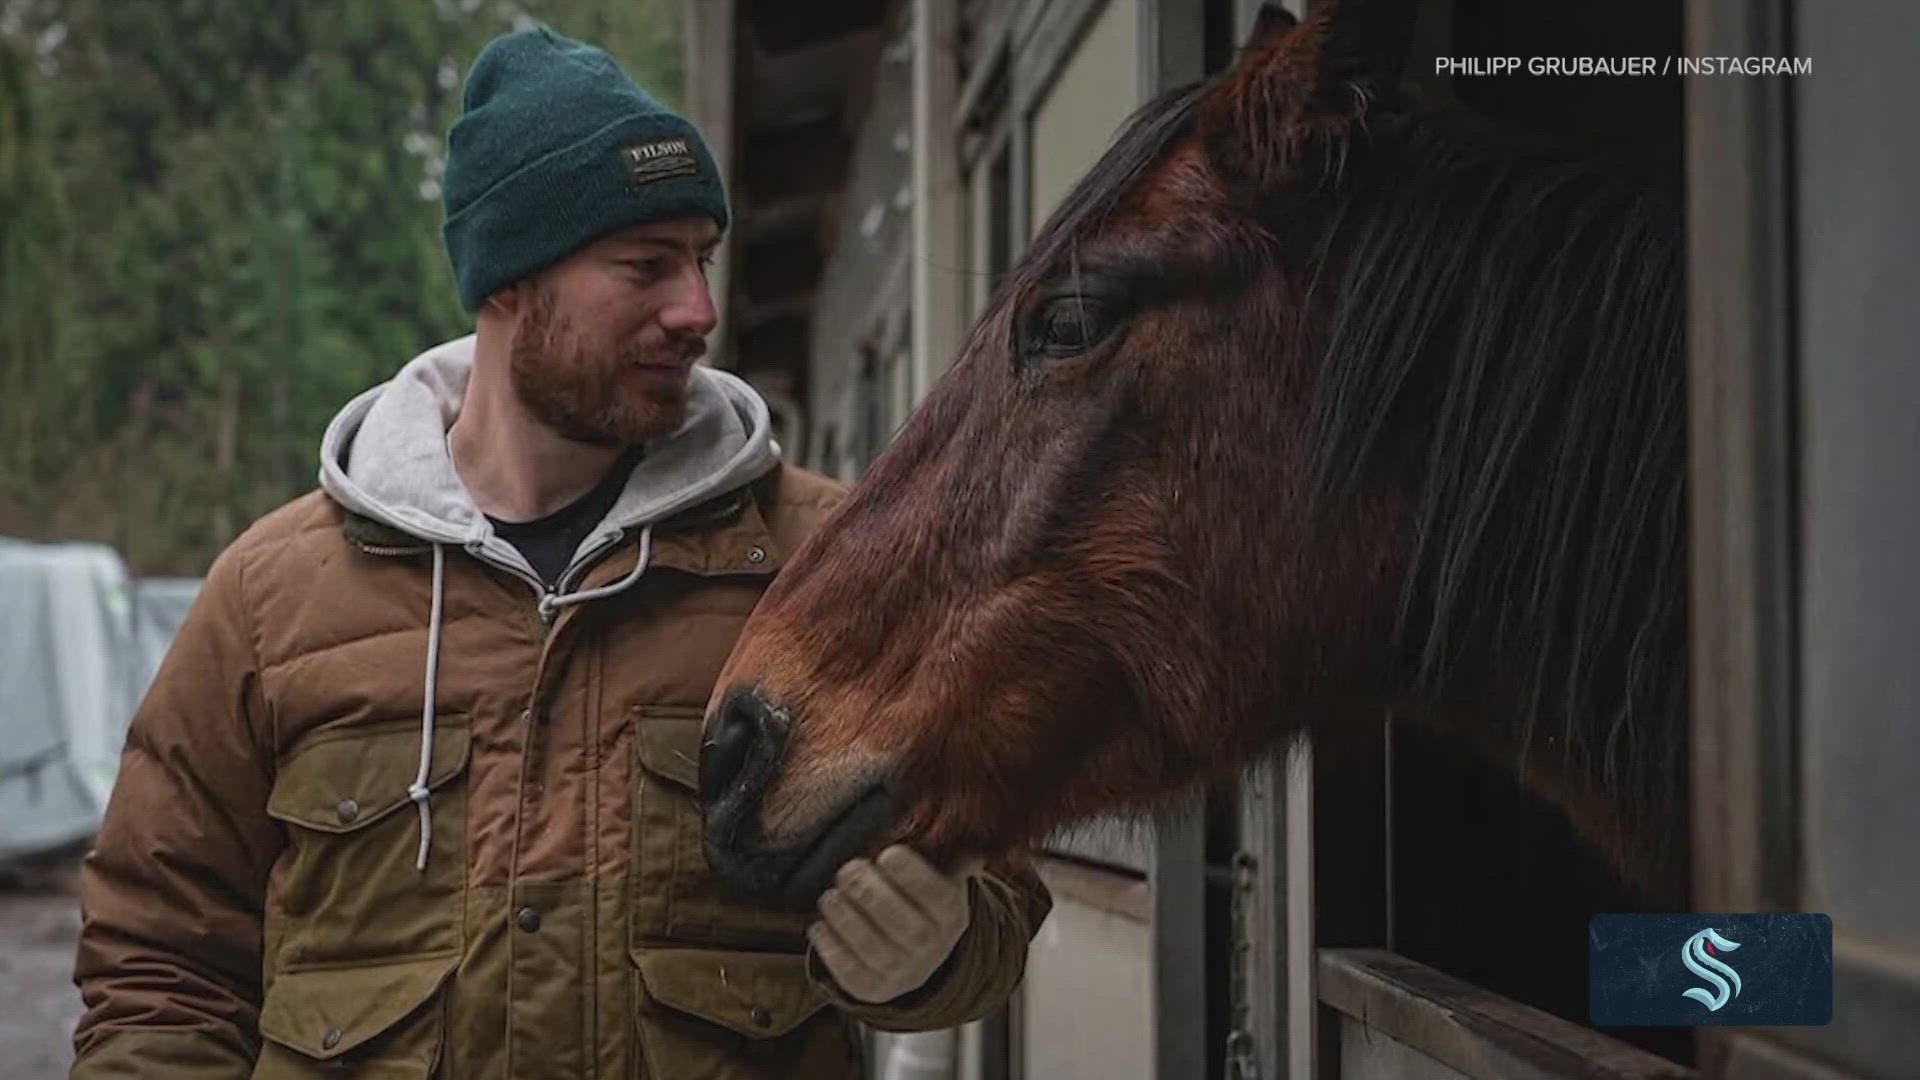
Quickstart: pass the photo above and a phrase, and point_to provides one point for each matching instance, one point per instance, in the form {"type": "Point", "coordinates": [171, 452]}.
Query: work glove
{"type": "Point", "coordinates": [888, 923]}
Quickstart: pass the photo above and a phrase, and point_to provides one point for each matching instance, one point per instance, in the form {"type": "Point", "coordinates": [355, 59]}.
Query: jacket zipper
{"type": "Point", "coordinates": [546, 613]}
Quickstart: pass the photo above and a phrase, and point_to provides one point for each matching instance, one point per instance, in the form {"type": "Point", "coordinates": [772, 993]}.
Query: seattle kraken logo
{"type": "Point", "coordinates": [1699, 957]}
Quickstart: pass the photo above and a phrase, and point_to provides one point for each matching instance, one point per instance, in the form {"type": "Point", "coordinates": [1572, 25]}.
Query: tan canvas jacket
{"type": "Point", "coordinates": [254, 906]}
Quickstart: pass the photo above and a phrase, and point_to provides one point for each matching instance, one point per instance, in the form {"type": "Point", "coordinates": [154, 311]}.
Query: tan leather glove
{"type": "Point", "coordinates": [889, 922]}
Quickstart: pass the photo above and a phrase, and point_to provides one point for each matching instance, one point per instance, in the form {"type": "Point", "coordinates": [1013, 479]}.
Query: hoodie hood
{"type": "Point", "coordinates": [385, 457]}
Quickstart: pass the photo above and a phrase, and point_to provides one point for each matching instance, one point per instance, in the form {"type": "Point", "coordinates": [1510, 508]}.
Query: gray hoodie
{"type": "Point", "coordinates": [385, 457]}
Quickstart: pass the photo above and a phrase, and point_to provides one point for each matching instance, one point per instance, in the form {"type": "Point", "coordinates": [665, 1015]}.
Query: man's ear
{"type": "Point", "coordinates": [1298, 87]}
{"type": "Point", "coordinates": [506, 302]}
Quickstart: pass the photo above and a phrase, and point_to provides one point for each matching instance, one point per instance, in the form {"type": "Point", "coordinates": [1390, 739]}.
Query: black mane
{"type": "Point", "coordinates": [1503, 336]}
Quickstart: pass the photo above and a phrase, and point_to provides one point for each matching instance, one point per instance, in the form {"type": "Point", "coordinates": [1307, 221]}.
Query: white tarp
{"type": "Point", "coordinates": [159, 607]}
{"type": "Point", "coordinates": [78, 645]}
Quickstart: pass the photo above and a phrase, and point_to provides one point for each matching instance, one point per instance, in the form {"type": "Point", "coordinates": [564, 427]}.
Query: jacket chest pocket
{"type": "Point", "coordinates": [674, 896]}
{"type": "Point", "coordinates": [728, 1014]}
{"type": "Point", "coordinates": [348, 889]}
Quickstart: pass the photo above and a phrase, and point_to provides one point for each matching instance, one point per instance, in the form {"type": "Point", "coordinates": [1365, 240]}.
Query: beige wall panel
{"type": "Point", "coordinates": [1098, 88]}
{"type": "Point", "coordinates": [1087, 1000]}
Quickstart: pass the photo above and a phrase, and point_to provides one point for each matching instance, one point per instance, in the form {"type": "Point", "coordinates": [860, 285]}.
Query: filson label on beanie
{"type": "Point", "coordinates": [657, 160]}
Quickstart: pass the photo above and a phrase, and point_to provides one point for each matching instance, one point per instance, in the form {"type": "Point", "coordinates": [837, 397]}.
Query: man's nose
{"type": "Point", "coordinates": [690, 312]}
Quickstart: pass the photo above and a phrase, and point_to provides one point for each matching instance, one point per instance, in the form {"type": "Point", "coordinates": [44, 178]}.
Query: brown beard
{"type": "Point", "coordinates": [585, 394]}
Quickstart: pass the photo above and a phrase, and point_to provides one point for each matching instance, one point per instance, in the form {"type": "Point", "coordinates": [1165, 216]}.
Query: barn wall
{"type": "Point", "coordinates": [1860, 258]}
{"type": "Point", "coordinates": [1805, 250]}
{"type": "Point", "coordinates": [1096, 91]}
{"type": "Point", "coordinates": [1858, 242]}
{"type": "Point", "coordinates": [859, 311]}
{"type": "Point", "coordinates": [1086, 1007]}
{"type": "Point", "coordinates": [709, 44]}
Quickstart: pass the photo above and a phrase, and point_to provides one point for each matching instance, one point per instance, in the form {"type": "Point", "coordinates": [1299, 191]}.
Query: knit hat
{"type": "Point", "coordinates": [555, 147]}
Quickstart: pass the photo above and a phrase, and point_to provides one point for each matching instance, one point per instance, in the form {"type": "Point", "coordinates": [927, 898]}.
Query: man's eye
{"type": "Point", "coordinates": [646, 268]}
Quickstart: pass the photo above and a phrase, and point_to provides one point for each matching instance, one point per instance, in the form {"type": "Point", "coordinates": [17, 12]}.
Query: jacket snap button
{"type": "Point", "coordinates": [347, 810]}
{"type": "Point", "coordinates": [331, 1039]}
{"type": "Point", "coordinates": [756, 554]}
{"type": "Point", "coordinates": [528, 919]}
{"type": "Point", "coordinates": [760, 1016]}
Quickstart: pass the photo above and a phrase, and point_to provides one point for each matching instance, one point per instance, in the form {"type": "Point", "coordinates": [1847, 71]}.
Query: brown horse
{"type": "Point", "coordinates": [1307, 404]}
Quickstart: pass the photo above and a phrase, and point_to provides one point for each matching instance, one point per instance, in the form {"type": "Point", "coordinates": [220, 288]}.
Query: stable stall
{"type": "Point", "coordinates": [889, 162]}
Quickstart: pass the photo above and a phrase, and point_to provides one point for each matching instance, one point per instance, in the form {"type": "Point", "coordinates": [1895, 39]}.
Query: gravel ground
{"type": "Point", "coordinates": [39, 918]}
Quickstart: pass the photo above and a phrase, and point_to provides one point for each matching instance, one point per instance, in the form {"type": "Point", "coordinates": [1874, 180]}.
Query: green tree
{"type": "Point", "coordinates": [251, 237]}
{"type": "Point", "coordinates": [32, 275]}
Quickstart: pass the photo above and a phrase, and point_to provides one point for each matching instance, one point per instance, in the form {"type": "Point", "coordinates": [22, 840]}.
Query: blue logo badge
{"type": "Point", "coordinates": [1678, 970]}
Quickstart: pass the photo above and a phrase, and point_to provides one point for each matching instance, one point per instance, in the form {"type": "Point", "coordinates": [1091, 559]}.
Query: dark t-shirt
{"type": "Point", "coordinates": [549, 542]}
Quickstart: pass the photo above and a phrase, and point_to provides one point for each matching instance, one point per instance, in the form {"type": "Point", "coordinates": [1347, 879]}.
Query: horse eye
{"type": "Point", "coordinates": [1067, 325]}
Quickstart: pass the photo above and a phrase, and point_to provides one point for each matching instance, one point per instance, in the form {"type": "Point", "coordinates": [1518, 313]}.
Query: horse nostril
{"type": "Point", "coordinates": [724, 750]}
{"type": "Point", "coordinates": [746, 729]}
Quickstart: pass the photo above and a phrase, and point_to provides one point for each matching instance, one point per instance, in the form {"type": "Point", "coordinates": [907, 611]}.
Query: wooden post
{"type": "Point", "coordinates": [708, 44]}
{"type": "Point", "coordinates": [1171, 54]}
{"type": "Point", "coordinates": [939, 290]}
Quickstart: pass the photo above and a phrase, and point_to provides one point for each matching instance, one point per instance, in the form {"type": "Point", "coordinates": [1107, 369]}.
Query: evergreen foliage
{"type": "Point", "coordinates": [219, 220]}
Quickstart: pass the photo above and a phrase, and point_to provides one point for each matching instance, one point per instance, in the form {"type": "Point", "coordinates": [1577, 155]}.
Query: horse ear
{"type": "Point", "coordinates": [1271, 21]}
{"type": "Point", "coordinates": [1298, 84]}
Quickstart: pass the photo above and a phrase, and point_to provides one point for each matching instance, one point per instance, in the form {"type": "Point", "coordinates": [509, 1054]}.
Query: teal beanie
{"type": "Point", "coordinates": [555, 147]}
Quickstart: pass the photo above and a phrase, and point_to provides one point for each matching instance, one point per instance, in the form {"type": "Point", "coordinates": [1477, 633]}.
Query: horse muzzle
{"type": "Point", "coordinates": [742, 750]}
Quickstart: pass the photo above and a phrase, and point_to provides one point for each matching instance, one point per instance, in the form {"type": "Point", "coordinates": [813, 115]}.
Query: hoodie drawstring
{"type": "Point", "coordinates": [552, 603]}
{"type": "Point", "coordinates": [419, 791]}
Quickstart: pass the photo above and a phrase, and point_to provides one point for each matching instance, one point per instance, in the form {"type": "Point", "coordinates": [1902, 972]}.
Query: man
{"type": "Point", "coordinates": [414, 789]}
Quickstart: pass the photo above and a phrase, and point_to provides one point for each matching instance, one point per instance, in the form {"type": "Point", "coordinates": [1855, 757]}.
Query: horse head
{"type": "Point", "coordinates": [1304, 405]}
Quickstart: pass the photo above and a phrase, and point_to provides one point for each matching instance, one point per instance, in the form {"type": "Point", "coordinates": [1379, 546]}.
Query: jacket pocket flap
{"type": "Point", "coordinates": [326, 1012]}
{"type": "Point", "coordinates": [347, 780]}
{"type": "Point", "coordinates": [669, 745]}
{"type": "Point", "coordinates": [761, 994]}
